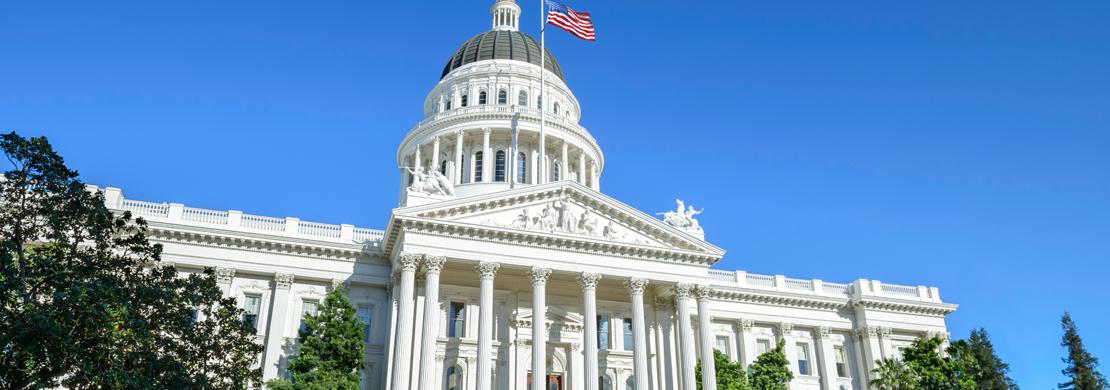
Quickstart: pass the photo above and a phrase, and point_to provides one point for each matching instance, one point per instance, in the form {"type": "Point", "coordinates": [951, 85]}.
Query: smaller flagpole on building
{"type": "Point", "coordinates": [543, 89]}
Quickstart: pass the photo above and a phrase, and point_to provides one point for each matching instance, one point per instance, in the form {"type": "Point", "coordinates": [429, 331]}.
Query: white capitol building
{"type": "Point", "coordinates": [505, 266]}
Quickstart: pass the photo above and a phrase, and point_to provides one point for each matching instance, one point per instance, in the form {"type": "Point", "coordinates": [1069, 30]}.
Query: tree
{"type": "Point", "coordinates": [1081, 366]}
{"type": "Point", "coordinates": [892, 374]}
{"type": "Point", "coordinates": [771, 370]}
{"type": "Point", "coordinates": [331, 351]}
{"type": "Point", "coordinates": [81, 305]}
{"type": "Point", "coordinates": [989, 371]}
{"type": "Point", "coordinates": [730, 376]}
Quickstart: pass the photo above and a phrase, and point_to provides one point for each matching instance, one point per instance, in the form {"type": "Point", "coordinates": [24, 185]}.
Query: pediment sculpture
{"type": "Point", "coordinates": [430, 181]}
{"type": "Point", "coordinates": [682, 217]}
{"type": "Point", "coordinates": [560, 216]}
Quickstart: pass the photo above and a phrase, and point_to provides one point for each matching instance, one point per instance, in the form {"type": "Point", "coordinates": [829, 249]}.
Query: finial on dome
{"type": "Point", "coordinates": [506, 15]}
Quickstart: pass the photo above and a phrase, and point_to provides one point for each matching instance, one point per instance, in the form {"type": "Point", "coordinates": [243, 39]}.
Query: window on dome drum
{"type": "Point", "coordinates": [251, 305]}
{"type": "Point", "coordinates": [841, 362]}
{"type": "Point", "coordinates": [722, 345]}
{"type": "Point", "coordinates": [464, 100]}
{"type": "Point", "coordinates": [308, 308]}
{"type": "Point", "coordinates": [555, 170]}
{"type": "Point", "coordinates": [502, 97]}
{"type": "Point", "coordinates": [522, 99]}
{"type": "Point", "coordinates": [364, 314]}
{"type": "Point", "coordinates": [803, 359]}
{"type": "Point", "coordinates": [602, 332]}
{"type": "Point", "coordinates": [603, 383]}
{"type": "Point", "coordinates": [762, 346]}
{"type": "Point", "coordinates": [499, 166]}
{"type": "Point", "coordinates": [627, 334]}
{"type": "Point", "coordinates": [456, 318]}
{"type": "Point", "coordinates": [630, 384]}
{"type": "Point", "coordinates": [482, 97]}
{"type": "Point", "coordinates": [556, 109]}
{"type": "Point", "coordinates": [521, 164]}
{"type": "Point", "coordinates": [539, 102]}
{"type": "Point", "coordinates": [478, 161]}
{"type": "Point", "coordinates": [452, 379]}
{"type": "Point", "coordinates": [447, 104]}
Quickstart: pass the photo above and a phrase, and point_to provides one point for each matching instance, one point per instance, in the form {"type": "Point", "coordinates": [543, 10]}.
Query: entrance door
{"type": "Point", "coordinates": [554, 382]}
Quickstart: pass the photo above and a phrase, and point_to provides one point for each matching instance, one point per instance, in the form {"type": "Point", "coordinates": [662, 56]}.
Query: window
{"type": "Point", "coordinates": [308, 308]}
{"type": "Point", "coordinates": [364, 314]}
{"type": "Point", "coordinates": [464, 100]}
{"type": "Point", "coordinates": [194, 316]}
{"type": "Point", "coordinates": [482, 97]}
{"type": "Point", "coordinates": [722, 345]}
{"type": "Point", "coordinates": [803, 359]}
{"type": "Point", "coordinates": [602, 332]}
{"type": "Point", "coordinates": [499, 166]}
{"type": "Point", "coordinates": [251, 305]}
{"type": "Point", "coordinates": [522, 99]}
{"type": "Point", "coordinates": [456, 318]}
{"type": "Point", "coordinates": [841, 362]}
{"type": "Point", "coordinates": [539, 102]}
{"type": "Point", "coordinates": [555, 170]}
{"type": "Point", "coordinates": [630, 384]}
{"type": "Point", "coordinates": [521, 164]}
{"type": "Point", "coordinates": [603, 383]}
{"type": "Point", "coordinates": [447, 104]}
{"type": "Point", "coordinates": [453, 378]}
{"type": "Point", "coordinates": [478, 161]}
{"type": "Point", "coordinates": [627, 334]}
{"type": "Point", "coordinates": [762, 346]}
{"type": "Point", "coordinates": [502, 97]}
{"type": "Point", "coordinates": [556, 110]}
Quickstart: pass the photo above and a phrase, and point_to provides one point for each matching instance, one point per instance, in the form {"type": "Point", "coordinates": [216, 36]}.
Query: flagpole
{"type": "Point", "coordinates": [543, 89]}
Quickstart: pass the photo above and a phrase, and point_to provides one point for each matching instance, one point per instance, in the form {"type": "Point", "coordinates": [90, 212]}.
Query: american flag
{"type": "Point", "coordinates": [577, 23]}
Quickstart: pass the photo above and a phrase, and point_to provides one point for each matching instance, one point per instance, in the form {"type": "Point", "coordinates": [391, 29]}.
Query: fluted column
{"type": "Point", "coordinates": [428, 373]}
{"type": "Point", "coordinates": [457, 172]}
{"type": "Point", "coordinates": [486, 272]}
{"type": "Point", "coordinates": [539, 326]}
{"type": "Point", "coordinates": [403, 350]}
{"type": "Point", "coordinates": [593, 177]}
{"type": "Point", "coordinates": [639, 334]}
{"type": "Point", "coordinates": [589, 310]}
{"type": "Point", "coordinates": [708, 368]}
{"type": "Point", "coordinates": [563, 167]}
{"type": "Point", "coordinates": [275, 335]}
{"type": "Point", "coordinates": [686, 335]}
{"type": "Point", "coordinates": [487, 157]}
{"type": "Point", "coordinates": [581, 168]}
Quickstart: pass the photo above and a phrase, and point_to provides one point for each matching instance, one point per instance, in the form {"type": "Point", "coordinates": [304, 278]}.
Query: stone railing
{"type": "Point", "coordinates": [507, 111]}
{"type": "Point", "coordinates": [238, 221]}
{"type": "Point", "coordinates": [859, 288]}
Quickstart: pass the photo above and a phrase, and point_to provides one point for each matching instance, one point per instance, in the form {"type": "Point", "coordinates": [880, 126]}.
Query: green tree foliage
{"type": "Point", "coordinates": [331, 351]}
{"type": "Point", "coordinates": [1081, 367]}
{"type": "Point", "coordinates": [989, 372]}
{"type": "Point", "coordinates": [730, 376]}
{"type": "Point", "coordinates": [81, 308]}
{"type": "Point", "coordinates": [891, 374]}
{"type": "Point", "coordinates": [771, 370]}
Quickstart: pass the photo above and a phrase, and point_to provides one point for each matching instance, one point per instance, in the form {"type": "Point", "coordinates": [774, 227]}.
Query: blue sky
{"type": "Point", "coordinates": [957, 144]}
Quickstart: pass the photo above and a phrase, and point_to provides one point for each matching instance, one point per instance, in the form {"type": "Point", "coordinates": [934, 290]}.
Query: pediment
{"type": "Point", "coordinates": [564, 209]}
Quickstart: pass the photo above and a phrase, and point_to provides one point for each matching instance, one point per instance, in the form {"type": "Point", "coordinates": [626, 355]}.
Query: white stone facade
{"type": "Point", "coordinates": [451, 287]}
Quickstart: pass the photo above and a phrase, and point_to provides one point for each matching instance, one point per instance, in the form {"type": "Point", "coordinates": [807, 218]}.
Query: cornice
{"type": "Point", "coordinates": [901, 306]}
{"type": "Point", "coordinates": [213, 238]}
{"type": "Point", "coordinates": [779, 299]}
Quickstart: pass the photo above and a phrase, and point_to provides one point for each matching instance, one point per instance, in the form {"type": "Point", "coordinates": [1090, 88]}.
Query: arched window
{"type": "Point", "coordinates": [539, 102]}
{"type": "Point", "coordinates": [521, 164]}
{"type": "Point", "coordinates": [499, 166]}
{"type": "Point", "coordinates": [452, 379]}
{"type": "Point", "coordinates": [555, 170]}
{"type": "Point", "coordinates": [502, 97]}
{"type": "Point", "coordinates": [482, 97]}
{"type": "Point", "coordinates": [443, 167]}
{"type": "Point", "coordinates": [630, 384]}
{"type": "Point", "coordinates": [603, 383]}
{"type": "Point", "coordinates": [464, 100]}
{"type": "Point", "coordinates": [522, 99]}
{"type": "Point", "coordinates": [556, 110]}
{"type": "Point", "coordinates": [447, 104]}
{"type": "Point", "coordinates": [478, 161]}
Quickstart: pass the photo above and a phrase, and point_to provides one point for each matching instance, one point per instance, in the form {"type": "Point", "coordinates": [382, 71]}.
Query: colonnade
{"type": "Point", "coordinates": [427, 371]}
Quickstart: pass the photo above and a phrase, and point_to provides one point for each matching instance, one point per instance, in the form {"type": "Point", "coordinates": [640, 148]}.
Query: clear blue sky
{"type": "Point", "coordinates": [957, 144]}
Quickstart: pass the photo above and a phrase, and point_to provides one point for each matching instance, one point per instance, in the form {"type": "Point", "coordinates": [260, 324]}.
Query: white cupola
{"type": "Point", "coordinates": [506, 15]}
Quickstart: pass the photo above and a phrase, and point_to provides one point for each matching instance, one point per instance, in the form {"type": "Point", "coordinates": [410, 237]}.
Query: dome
{"type": "Point", "coordinates": [501, 44]}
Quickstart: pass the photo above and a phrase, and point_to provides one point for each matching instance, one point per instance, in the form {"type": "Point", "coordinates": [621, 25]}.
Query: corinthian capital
{"type": "Point", "coordinates": [408, 261]}
{"type": "Point", "coordinates": [434, 264]}
{"type": "Point", "coordinates": [487, 270]}
{"type": "Point", "coordinates": [539, 275]}
{"type": "Point", "coordinates": [224, 275]}
{"type": "Point", "coordinates": [589, 280]}
{"type": "Point", "coordinates": [703, 292]}
{"type": "Point", "coordinates": [682, 290]}
{"type": "Point", "coordinates": [635, 285]}
{"type": "Point", "coordinates": [283, 281]}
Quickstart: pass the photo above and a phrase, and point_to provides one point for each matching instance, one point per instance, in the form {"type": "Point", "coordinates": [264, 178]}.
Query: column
{"type": "Point", "coordinates": [401, 353]}
{"type": "Point", "coordinates": [582, 168]}
{"type": "Point", "coordinates": [884, 340]}
{"type": "Point", "coordinates": [563, 167]}
{"type": "Point", "coordinates": [543, 160]}
{"type": "Point", "coordinates": [224, 276]}
{"type": "Point", "coordinates": [275, 332]}
{"type": "Point", "coordinates": [539, 326]}
{"type": "Point", "coordinates": [593, 177]}
{"type": "Point", "coordinates": [486, 272]}
{"type": "Point", "coordinates": [589, 319]}
{"type": "Point", "coordinates": [486, 158]}
{"type": "Point", "coordinates": [747, 342]}
{"type": "Point", "coordinates": [416, 160]}
{"type": "Point", "coordinates": [435, 153]}
{"type": "Point", "coordinates": [666, 364]}
{"type": "Point", "coordinates": [708, 369]}
{"type": "Point", "coordinates": [512, 168]}
{"type": "Point", "coordinates": [869, 350]}
{"type": "Point", "coordinates": [790, 348]}
{"type": "Point", "coordinates": [428, 373]}
{"type": "Point", "coordinates": [457, 172]}
{"type": "Point", "coordinates": [826, 352]}
{"type": "Point", "coordinates": [639, 338]}
{"type": "Point", "coordinates": [686, 335]}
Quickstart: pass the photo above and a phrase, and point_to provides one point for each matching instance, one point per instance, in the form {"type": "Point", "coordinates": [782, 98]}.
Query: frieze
{"type": "Point", "coordinates": [561, 216]}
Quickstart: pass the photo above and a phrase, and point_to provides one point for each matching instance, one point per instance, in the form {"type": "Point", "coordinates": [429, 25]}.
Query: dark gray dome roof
{"type": "Point", "coordinates": [508, 45]}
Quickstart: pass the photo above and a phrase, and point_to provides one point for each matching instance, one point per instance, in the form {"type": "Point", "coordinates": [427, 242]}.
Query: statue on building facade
{"type": "Point", "coordinates": [430, 181]}
{"type": "Point", "coordinates": [682, 217]}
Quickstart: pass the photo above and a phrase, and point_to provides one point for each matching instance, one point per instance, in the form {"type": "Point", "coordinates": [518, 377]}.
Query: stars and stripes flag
{"type": "Point", "coordinates": [576, 23]}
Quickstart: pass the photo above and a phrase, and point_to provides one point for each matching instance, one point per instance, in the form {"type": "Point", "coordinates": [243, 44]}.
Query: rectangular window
{"type": "Point", "coordinates": [803, 359]}
{"type": "Point", "coordinates": [722, 345]}
{"type": "Point", "coordinates": [628, 334]}
{"type": "Point", "coordinates": [308, 308]}
{"type": "Point", "coordinates": [841, 362]}
{"type": "Point", "coordinates": [251, 305]}
{"type": "Point", "coordinates": [364, 314]}
{"type": "Point", "coordinates": [456, 318]}
{"type": "Point", "coordinates": [602, 332]}
{"type": "Point", "coordinates": [762, 346]}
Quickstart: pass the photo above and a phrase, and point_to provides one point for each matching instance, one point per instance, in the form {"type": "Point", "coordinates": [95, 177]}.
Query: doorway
{"type": "Point", "coordinates": [554, 381]}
